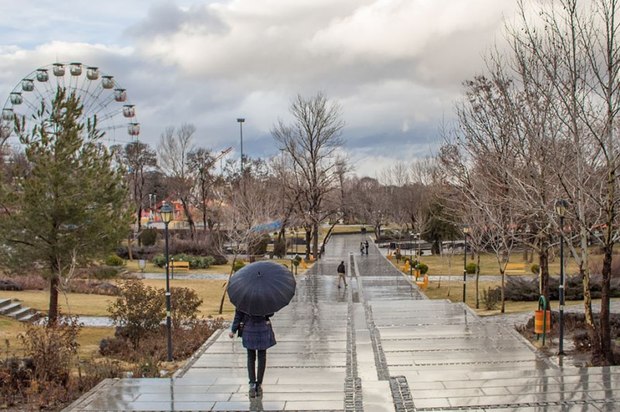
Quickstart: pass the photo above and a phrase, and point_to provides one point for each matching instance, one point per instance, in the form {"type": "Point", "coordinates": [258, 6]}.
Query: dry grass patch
{"type": "Point", "coordinates": [79, 303]}
{"type": "Point", "coordinates": [88, 339]}
{"type": "Point", "coordinates": [452, 265]}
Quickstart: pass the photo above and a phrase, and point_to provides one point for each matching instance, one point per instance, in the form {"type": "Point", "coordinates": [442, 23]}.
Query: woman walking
{"type": "Point", "coordinates": [257, 336]}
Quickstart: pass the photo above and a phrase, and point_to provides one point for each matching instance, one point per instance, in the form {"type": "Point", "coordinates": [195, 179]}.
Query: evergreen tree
{"type": "Point", "coordinates": [68, 207]}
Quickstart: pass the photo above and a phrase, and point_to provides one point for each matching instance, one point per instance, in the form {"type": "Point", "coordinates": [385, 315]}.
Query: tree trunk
{"type": "Point", "coordinates": [605, 326]}
{"type": "Point", "coordinates": [477, 280]}
{"type": "Point", "coordinates": [329, 232]}
{"type": "Point", "coordinates": [503, 288]}
{"type": "Point", "coordinates": [52, 315]}
{"type": "Point", "coordinates": [190, 220]}
{"type": "Point", "coordinates": [129, 242]}
{"type": "Point", "coordinates": [139, 218]}
{"type": "Point", "coordinates": [308, 241]}
{"type": "Point", "coordinates": [544, 272]}
{"type": "Point", "coordinates": [315, 240]}
{"type": "Point", "coordinates": [584, 271]}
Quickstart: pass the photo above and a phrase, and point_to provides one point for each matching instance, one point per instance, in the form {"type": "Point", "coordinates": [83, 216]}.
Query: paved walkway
{"type": "Point", "coordinates": [377, 345]}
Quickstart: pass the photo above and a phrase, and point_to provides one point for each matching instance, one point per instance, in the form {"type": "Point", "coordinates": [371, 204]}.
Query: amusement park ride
{"type": "Point", "coordinates": [102, 98]}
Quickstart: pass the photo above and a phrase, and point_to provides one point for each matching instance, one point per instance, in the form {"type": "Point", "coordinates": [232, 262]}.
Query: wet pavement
{"type": "Point", "coordinates": [376, 345]}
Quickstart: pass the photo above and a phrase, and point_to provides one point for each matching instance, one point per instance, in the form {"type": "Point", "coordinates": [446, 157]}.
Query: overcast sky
{"type": "Point", "coordinates": [396, 67]}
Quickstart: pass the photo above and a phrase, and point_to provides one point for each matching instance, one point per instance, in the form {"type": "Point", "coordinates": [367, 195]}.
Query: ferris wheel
{"type": "Point", "coordinates": [101, 96]}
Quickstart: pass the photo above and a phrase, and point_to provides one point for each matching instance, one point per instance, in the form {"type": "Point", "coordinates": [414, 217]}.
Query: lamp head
{"type": "Point", "coordinates": [240, 120]}
{"type": "Point", "coordinates": [560, 207]}
{"type": "Point", "coordinates": [166, 213]}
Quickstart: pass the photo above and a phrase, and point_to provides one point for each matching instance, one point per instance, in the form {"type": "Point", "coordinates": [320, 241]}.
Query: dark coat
{"type": "Point", "coordinates": [341, 268]}
{"type": "Point", "coordinates": [257, 332]}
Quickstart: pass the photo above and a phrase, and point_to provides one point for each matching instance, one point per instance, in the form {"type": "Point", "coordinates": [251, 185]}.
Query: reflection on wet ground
{"type": "Point", "coordinates": [376, 345]}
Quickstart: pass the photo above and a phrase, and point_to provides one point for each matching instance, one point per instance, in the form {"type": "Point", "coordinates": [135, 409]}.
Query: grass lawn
{"type": "Point", "coordinates": [88, 339]}
{"type": "Point", "coordinates": [210, 291]}
{"type": "Point", "coordinates": [453, 264]}
{"type": "Point", "coordinates": [79, 303]}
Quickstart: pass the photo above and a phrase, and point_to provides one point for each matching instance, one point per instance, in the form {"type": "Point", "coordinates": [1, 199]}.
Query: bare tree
{"type": "Point", "coordinates": [173, 150]}
{"type": "Point", "coordinates": [579, 52]}
{"type": "Point", "coordinates": [311, 142]}
{"type": "Point", "coordinates": [200, 162]}
{"type": "Point", "coordinates": [138, 159]}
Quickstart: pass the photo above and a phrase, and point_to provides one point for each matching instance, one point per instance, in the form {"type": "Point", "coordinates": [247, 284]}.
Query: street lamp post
{"type": "Point", "coordinates": [166, 216]}
{"type": "Point", "coordinates": [240, 121]}
{"type": "Point", "coordinates": [411, 254]}
{"type": "Point", "coordinates": [465, 232]}
{"type": "Point", "coordinates": [419, 236]}
{"type": "Point", "coordinates": [560, 208]}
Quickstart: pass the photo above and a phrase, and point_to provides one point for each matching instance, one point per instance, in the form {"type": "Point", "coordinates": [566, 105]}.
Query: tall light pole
{"type": "Point", "coordinates": [465, 232]}
{"type": "Point", "coordinates": [560, 208]}
{"type": "Point", "coordinates": [240, 121]}
{"type": "Point", "coordinates": [166, 216]}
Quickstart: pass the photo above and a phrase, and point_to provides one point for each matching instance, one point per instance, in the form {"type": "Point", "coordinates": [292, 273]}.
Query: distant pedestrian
{"type": "Point", "coordinates": [257, 336]}
{"type": "Point", "coordinates": [342, 274]}
{"type": "Point", "coordinates": [362, 248]}
{"type": "Point", "coordinates": [366, 246]}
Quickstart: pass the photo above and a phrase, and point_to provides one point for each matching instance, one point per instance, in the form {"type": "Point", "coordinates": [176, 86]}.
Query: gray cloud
{"type": "Point", "coordinates": [395, 67]}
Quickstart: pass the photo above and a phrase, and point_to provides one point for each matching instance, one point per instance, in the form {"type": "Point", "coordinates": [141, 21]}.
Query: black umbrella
{"type": "Point", "coordinates": [261, 288]}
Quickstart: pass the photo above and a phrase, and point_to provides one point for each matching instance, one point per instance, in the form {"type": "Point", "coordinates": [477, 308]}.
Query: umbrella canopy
{"type": "Point", "coordinates": [261, 288]}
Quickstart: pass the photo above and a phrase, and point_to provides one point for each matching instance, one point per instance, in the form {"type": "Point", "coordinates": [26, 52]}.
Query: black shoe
{"type": "Point", "coordinates": [259, 390]}
{"type": "Point", "coordinates": [338, 286]}
{"type": "Point", "coordinates": [252, 392]}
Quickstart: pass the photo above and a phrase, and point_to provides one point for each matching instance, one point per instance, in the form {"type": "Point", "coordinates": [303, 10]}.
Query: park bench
{"type": "Point", "coordinates": [423, 284]}
{"type": "Point", "coordinates": [515, 269]}
{"type": "Point", "coordinates": [180, 265]}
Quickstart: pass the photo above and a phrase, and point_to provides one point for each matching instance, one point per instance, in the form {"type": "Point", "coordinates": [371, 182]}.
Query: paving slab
{"type": "Point", "coordinates": [377, 345]}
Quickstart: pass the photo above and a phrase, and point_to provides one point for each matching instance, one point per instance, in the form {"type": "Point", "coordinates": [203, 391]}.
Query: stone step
{"type": "Point", "coordinates": [21, 313]}
{"type": "Point", "coordinates": [34, 315]}
{"type": "Point", "coordinates": [11, 307]}
{"type": "Point", "coordinates": [4, 302]}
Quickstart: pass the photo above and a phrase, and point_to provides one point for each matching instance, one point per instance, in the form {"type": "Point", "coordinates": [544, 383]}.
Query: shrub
{"type": "Point", "coordinates": [535, 268]}
{"type": "Point", "coordinates": [148, 237]}
{"type": "Point", "coordinates": [159, 261]}
{"type": "Point", "coordinates": [187, 340]}
{"type": "Point", "coordinates": [138, 310]}
{"type": "Point", "coordinates": [238, 265]}
{"type": "Point", "coordinates": [199, 262]}
{"type": "Point", "coordinates": [8, 284]}
{"type": "Point", "coordinates": [52, 348]}
{"type": "Point", "coordinates": [491, 298]}
{"type": "Point", "coordinates": [94, 287]}
{"type": "Point", "coordinates": [195, 262]}
{"type": "Point", "coordinates": [185, 303]}
{"type": "Point", "coordinates": [423, 268]}
{"type": "Point", "coordinates": [29, 282]}
{"type": "Point", "coordinates": [105, 272]}
{"type": "Point", "coordinates": [114, 260]}
{"type": "Point", "coordinates": [219, 260]}
{"type": "Point", "coordinates": [140, 252]}
{"type": "Point", "coordinates": [471, 268]}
